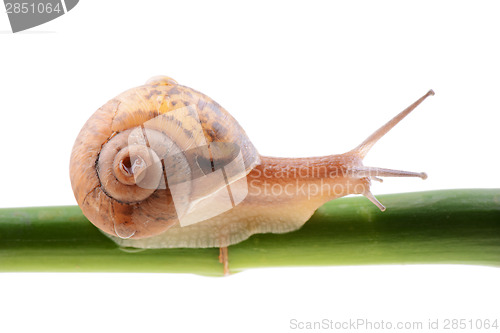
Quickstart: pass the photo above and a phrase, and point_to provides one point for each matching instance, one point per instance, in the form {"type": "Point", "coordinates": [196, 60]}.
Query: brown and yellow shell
{"type": "Point", "coordinates": [108, 193]}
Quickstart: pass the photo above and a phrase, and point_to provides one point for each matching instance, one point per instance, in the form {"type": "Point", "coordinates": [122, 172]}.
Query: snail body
{"type": "Point", "coordinates": [162, 165]}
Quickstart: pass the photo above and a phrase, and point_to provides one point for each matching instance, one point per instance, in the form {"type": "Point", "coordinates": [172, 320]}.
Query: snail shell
{"type": "Point", "coordinates": [125, 151]}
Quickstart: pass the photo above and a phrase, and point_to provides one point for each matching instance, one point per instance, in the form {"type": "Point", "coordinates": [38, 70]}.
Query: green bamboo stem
{"type": "Point", "coordinates": [437, 227]}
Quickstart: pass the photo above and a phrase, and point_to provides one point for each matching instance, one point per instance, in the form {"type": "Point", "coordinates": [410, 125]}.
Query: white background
{"type": "Point", "coordinates": [302, 78]}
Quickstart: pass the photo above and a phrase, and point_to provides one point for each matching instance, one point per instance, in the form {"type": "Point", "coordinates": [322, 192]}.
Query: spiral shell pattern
{"type": "Point", "coordinates": [118, 162]}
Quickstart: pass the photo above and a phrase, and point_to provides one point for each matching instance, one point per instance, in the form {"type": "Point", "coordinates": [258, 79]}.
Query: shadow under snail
{"type": "Point", "coordinates": [162, 165]}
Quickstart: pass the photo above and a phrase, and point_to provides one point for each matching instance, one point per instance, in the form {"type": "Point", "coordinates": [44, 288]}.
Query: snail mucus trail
{"type": "Point", "coordinates": [163, 165]}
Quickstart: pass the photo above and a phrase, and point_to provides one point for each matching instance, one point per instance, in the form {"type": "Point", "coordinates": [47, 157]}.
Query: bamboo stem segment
{"type": "Point", "coordinates": [436, 227]}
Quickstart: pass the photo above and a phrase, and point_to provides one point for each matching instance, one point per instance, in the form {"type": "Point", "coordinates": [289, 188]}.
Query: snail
{"type": "Point", "coordinates": [163, 165]}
